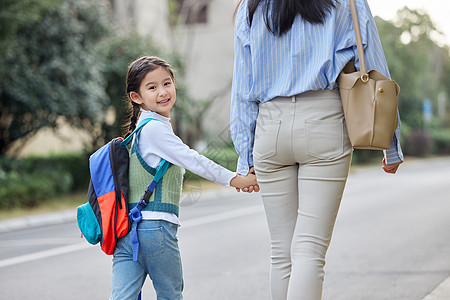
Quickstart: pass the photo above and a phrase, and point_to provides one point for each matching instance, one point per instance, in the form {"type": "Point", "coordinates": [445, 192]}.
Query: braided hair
{"type": "Point", "coordinates": [136, 73]}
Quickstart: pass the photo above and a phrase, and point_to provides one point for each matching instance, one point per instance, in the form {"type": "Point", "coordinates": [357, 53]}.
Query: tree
{"type": "Point", "coordinates": [415, 61]}
{"type": "Point", "coordinates": [50, 67]}
{"type": "Point", "coordinates": [420, 65]}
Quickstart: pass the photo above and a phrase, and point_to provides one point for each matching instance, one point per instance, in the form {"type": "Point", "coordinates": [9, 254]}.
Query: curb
{"type": "Point", "coordinates": [39, 220]}
{"type": "Point", "coordinates": [70, 215]}
{"type": "Point", "coordinates": [441, 292]}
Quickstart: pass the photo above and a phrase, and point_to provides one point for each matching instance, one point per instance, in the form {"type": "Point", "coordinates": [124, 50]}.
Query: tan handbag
{"type": "Point", "coordinates": [369, 100]}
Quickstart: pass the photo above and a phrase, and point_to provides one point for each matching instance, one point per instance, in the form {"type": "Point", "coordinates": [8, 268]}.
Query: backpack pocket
{"type": "Point", "coordinates": [88, 224]}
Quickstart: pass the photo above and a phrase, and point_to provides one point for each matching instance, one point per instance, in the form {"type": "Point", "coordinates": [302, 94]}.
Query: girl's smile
{"type": "Point", "coordinates": [156, 92]}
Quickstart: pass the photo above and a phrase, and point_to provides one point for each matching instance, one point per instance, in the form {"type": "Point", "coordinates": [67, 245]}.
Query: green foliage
{"type": "Point", "coordinates": [28, 182]}
{"type": "Point", "coordinates": [52, 68]}
{"type": "Point", "coordinates": [362, 156]}
{"type": "Point", "coordinates": [441, 141]}
{"type": "Point", "coordinates": [415, 61]}
{"type": "Point", "coordinates": [420, 67]}
{"type": "Point", "coordinates": [417, 143]}
{"type": "Point", "coordinates": [15, 15]}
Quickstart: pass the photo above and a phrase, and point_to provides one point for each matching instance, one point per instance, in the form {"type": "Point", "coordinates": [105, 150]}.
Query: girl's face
{"type": "Point", "coordinates": [157, 92]}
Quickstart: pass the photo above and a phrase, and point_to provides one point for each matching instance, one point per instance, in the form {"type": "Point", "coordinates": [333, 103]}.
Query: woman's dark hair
{"type": "Point", "coordinates": [285, 11]}
{"type": "Point", "coordinates": [136, 73]}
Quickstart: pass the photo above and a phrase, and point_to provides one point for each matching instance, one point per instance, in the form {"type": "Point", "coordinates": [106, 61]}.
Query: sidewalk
{"type": "Point", "coordinates": [38, 220]}
{"type": "Point", "coordinates": [441, 292]}
{"type": "Point", "coordinates": [70, 215]}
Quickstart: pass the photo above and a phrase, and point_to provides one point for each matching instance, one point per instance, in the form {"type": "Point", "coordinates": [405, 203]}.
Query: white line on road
{"type": "Point", "coordinates": [43, 254]}
{"type": "Point", "coordinates": [39, 242]}
{"type": "Point", "coordinates": [240, 212]}
{"type": "Point", "coordinates": [81, 246]}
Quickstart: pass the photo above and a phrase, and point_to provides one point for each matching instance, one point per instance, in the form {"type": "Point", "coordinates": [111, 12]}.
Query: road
{"type": "Point", "coordinates": [391, 242]}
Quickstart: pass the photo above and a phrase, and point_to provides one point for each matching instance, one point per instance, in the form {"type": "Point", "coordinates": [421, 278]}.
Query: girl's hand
{"type": "Point", "coordinates": [246, 183]}
{"type": "Point", "coordinates": [249, 188]}
{"type": "Point", "coordinates": [390, 168]}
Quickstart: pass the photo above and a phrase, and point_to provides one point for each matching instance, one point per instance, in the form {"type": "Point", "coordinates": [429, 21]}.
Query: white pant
{"type": "Point", "coordinates": [302, 156]}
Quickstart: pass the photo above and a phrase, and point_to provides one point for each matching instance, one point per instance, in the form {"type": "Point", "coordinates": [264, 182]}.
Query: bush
{"type": "Point", "coordinates": [27, 182]}
{"type": "Point", "coordinates": [441, 141]}
{"type": "Point", "coordinates": [25, 190]}
{"type": "Point", "coordinates": [363, 156]}
{"type": "Point", "coordinates": [417, 143]}
{"type": "Point", "coordinates": [75, 164]}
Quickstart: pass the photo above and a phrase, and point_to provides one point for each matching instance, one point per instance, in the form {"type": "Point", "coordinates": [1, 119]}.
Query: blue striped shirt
{"type": "Point", "coordinates": [307, 57]}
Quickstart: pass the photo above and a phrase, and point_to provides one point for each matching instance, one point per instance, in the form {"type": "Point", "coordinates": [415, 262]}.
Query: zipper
{"type": "Point", "coordinates": [115, 222]}
{"type": "Point", "coordinates": [112, 158]}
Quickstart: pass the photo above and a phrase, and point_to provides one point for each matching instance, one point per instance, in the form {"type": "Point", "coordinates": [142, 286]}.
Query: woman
{"type": "Point", "coordinates": [288, 125]}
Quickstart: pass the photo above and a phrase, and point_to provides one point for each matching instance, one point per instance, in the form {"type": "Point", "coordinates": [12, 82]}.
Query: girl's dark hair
{"type": "Point", "coordinates": [136, 73]}
{"type": "Point", "coordinates": [284, 12]}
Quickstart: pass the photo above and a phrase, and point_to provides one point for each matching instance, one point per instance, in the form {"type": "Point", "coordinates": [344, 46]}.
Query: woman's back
{"type": "Point", "coordinates": [306, 57]}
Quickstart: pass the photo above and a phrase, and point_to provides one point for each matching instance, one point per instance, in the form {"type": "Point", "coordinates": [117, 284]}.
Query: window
{"type": "Point", "coordinates": [192, 11]}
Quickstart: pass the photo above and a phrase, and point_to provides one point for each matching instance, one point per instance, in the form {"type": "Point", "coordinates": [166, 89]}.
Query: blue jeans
{"type": "Point", "coordinates": [159, 257]}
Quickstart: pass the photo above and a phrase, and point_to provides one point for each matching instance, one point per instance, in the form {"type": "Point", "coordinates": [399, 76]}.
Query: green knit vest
{"type": "Point", "coordinates": [166, 195]}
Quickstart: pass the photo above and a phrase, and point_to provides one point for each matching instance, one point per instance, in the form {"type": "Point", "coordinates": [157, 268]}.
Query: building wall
{"type": "Point", "coordinates": [207, 49]}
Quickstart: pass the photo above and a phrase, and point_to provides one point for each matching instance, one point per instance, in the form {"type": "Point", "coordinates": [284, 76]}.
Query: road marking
{"type": "Point", "coordinates": [43, 254]}
{"type": "Point", "coordinates": [38, 242]}
{"type": "Point", "coordinates": [442, 291]}
{"type": "Point", "coordinates": [241, 212]}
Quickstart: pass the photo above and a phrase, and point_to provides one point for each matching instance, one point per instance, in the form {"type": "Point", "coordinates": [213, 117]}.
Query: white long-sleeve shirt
{"type": "Point", "coordinates": [157, 140]}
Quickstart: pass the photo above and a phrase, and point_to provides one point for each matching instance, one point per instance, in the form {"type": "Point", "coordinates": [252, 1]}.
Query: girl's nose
{"type": "Point", "coordinates": [163, 92]}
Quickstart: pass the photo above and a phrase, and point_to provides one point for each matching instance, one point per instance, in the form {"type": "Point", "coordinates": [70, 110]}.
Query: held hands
{"type": "Point", "coordinates": [390, 168]}
{"type": "Point", "coordinates": [246, 183]}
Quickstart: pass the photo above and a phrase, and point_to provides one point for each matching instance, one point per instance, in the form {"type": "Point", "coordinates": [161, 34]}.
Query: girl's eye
{"type": "Point", "coordinates": [168, 83]}
{"type": "Point", "coordinates": [152, 87]}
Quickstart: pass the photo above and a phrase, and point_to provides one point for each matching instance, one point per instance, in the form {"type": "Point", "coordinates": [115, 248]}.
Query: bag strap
{"type": "Point", "coordinates": [137, 130]}
{"type": "Point", "coordinates": [359, 44]}
{"type": "Point", "coordinates": [135, 212]}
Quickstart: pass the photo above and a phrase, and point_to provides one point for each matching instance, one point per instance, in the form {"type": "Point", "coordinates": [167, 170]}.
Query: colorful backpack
{"type": "Point", "coordinates": [105, 217]}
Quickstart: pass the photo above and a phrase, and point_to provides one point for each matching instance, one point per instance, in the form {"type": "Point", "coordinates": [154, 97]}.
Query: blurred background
{"type": "Point", "coordinates": [62, 84]}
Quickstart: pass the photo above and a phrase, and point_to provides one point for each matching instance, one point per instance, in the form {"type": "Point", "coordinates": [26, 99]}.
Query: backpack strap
{"type": "Point", "coordinates": [135, 212]}
{"type": "Point", "coordinates": [137, 131]}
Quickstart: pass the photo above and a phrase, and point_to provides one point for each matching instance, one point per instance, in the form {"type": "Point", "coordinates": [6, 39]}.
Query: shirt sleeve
{"type": "Point", "coordinates": [375, 60]}
{"type": "Point", "coordinates": [158, 139]}
{"type": "Point", "coordinates": [244, 110]}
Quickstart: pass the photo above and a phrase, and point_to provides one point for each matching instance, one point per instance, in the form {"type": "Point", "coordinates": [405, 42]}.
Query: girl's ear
{"type": "Point", "coordinates": [135, 98]}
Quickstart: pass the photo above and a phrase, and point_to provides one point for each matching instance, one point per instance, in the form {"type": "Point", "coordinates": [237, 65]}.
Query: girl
{"type": "Point", "coordinates": [287, 123]}
{"type": "Point", "coordinates": [152, 94]}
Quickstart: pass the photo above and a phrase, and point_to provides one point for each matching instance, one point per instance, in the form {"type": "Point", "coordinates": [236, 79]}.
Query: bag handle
{"type": "Point", "coordinates": [359, 44]}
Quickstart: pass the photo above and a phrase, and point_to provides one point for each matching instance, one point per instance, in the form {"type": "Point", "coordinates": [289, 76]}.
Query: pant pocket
{"type": "Point", "coordinates": [324, 138]}
{"type": "Point", "coordinates": [266, 136]}
{"type": "Point", "coordinates": [151, 241]}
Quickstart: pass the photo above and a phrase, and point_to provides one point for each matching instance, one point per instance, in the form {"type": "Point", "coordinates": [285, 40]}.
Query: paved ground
{"type": "Point", "coordinates": [391, 242]}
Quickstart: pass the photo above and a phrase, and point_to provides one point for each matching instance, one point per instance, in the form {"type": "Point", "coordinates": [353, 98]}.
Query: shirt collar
{"type": "Point", "coordinates": [151, 114]}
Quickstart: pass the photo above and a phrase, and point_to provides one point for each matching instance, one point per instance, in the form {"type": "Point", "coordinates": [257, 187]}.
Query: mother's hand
{"type": "Point", "coordinates": [252, 188]}
{"type": "Point", "coordinates": [390, 168]}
